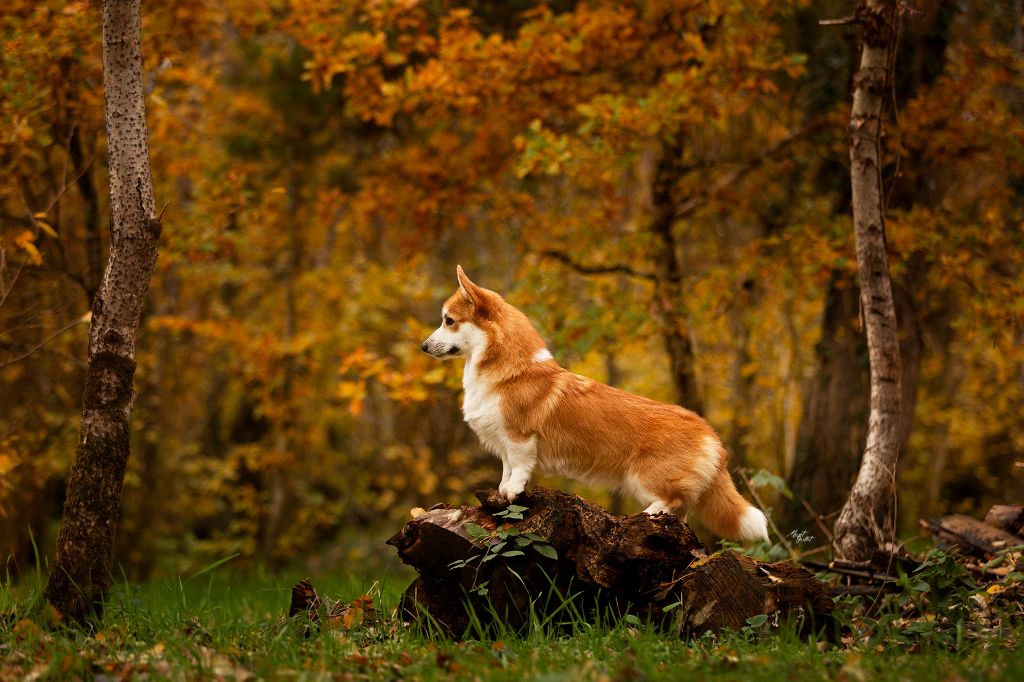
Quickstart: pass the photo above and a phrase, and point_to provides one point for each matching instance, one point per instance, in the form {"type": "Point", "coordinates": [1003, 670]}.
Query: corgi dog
{"type": "Point", "coordinates": [532, 413]}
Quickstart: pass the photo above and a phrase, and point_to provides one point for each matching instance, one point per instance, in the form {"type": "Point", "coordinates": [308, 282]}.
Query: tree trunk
{"type": "Point", "coordinates": [831, 433]}
{"type": "Point", "coordinates": [668, 294]}
{"type": "Point", "coordinates": [81, 571]}
{"type": "Point", "coordinates": [858, 531]}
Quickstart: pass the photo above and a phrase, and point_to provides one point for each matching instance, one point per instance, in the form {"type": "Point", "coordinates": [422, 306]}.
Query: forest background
{"type": "Point", "coordinates": [663, 186]}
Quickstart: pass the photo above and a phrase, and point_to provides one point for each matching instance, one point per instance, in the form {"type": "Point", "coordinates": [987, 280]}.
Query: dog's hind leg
{"type": "Point", "coordinates": [659, 507]}
{"type": "Point", "coordinates": [661, 496]}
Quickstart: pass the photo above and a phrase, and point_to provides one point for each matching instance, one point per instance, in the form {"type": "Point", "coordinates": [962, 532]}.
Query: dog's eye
{"type": "Point", "coordinates": [448, 321]}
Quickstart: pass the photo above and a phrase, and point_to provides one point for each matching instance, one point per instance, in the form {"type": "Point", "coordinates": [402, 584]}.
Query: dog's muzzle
{"type": "Point", "coordinates": [438, 350]}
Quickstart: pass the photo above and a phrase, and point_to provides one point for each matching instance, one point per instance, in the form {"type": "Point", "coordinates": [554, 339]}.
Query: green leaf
{"type": "Point", "coordinates": [757, 621]}
{"type": "Point", "coordinates": [514, 512]}
{"type": "Point", "coordinates": [631, 619]}
{"type": "Point", "coordinates": [763, 478]}
{"type": "Point", "coordinates": [512, 552]}
{"type": "Point", "coordinates": [476, 532]}
{"type": "Point", "coordinates": [546, 550]}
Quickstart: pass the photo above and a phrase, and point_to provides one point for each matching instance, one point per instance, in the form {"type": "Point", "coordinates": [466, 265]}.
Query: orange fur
{"type": "Point", "coordinates": [532, 412]}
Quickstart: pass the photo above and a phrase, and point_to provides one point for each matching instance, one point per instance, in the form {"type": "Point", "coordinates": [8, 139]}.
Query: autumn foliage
{"type": "Point", "coordinates": [659, 184]}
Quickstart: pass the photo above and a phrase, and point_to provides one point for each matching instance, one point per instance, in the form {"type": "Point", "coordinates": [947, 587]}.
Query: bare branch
{"type": "Point", "coordinates": [687, 207]}
{"type": "Point", "coordinates": [845, 21]}
{"type": "Point", "coordinates": [51, 337]}
{"type": "Point", "coordinates": [585, 269]}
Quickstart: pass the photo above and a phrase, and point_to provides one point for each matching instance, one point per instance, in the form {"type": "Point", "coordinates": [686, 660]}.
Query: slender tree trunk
{"type": "Point", "coordinates": [831, 436]}
{"type": "Point", "coordinates": [858, 530]}
{"type": "Point", "coordinates": [82, 566]}
{"type": "Point", "coordinates": [742, 381]}
{"type": "Point", "coordinates": [668, 294]}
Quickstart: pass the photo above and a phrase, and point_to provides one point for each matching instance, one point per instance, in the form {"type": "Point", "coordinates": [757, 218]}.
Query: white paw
{"type": "Point", "coordinates": [511, 490]}
{"type": "Point", "coordinates": [658, 507]}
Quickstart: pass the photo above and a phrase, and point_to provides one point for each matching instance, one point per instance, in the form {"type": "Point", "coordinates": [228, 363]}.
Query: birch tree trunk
{"type": "Point", "coordinates": [81, 572]}
{"type": "Point", "coordinates": [858, 531]}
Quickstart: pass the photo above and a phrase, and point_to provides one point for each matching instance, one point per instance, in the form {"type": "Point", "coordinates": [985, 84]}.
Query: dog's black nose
{"type": "Point", "coordinates": [423, 347]}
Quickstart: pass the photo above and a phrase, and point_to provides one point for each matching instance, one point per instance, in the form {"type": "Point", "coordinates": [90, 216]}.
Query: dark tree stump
{"type": "Point", "coordinates": [650, 567]}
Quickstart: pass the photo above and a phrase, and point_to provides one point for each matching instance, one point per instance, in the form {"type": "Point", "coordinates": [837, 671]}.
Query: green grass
{"type": "Point", "coordinates": [218, 626]}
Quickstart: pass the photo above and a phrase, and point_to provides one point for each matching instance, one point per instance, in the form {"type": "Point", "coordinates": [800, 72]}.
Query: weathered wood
{"type": "Point", "coordinates": [652, 567]}
{"type": "Point", "coordinates": [1009, 517]}
{"type": "Point", "coordinates": [970, 534]}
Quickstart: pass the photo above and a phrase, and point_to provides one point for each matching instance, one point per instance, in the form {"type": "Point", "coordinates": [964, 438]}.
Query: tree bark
{"type": "Point", "coordinates": [830, 439]}
{"type": "Point", "coordinates": [668, 288]}
{"type": "Point", "coordinates": [82, 566]}
{"type": "Point", "coordinates": [858, 529]}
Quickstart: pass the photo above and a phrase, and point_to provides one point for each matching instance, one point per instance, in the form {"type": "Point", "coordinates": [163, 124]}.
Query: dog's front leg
{"type": "Point", "coordinates": [506, 471]}
{"type": "Point", "coordinates": [522, 458]}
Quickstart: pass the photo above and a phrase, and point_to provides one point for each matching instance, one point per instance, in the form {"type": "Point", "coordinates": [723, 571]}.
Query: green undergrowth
{"type": "Point", "coordinates": [217, 626]}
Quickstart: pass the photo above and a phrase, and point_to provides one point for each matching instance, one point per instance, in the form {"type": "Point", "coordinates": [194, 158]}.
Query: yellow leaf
{"type": "Point", "coordinates": [352, 617]}
{"type": "Point", "coordinates": [24, 241]}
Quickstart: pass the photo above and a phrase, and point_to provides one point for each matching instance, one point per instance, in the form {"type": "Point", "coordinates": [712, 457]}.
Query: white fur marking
{"type": "Point", "coordinates": [753, 525]}
{"type": "Point", "coordinates": [707, 465]}
{"type": "Point", "coordinates": [542, 355]}
{"type": "Point", "coordinates": [631, 485]}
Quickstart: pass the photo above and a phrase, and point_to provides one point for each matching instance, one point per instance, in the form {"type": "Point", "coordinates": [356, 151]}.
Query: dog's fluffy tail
{"type": "Point", "coordinates": [726, 513]}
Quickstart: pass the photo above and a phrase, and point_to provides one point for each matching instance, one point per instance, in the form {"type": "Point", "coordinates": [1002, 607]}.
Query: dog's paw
{"type": "Point", "coordinates": [511, 490]}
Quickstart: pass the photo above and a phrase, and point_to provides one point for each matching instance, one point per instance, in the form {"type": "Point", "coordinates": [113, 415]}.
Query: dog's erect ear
{"type": "Point", "coordinates": [466, 286]}
{"type": "Point", "coordinates": [478, 296]}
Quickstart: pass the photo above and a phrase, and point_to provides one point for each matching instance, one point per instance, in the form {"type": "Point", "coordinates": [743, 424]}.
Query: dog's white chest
{"type": "Point", "coordinates": [481, 408]}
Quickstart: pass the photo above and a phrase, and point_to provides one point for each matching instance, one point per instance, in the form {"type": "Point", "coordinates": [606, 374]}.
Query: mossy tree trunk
{"type": "Point", "coordinates": [81, 572]}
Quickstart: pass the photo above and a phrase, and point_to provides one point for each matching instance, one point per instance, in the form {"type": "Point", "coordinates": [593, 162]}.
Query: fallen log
{"type": "Point", "coordinates": [971, 535]}
{"type": "Point", "coordinates": [1009, 517]}
{"type": "Point", "coordinates": [873, 577]}
{"type": "Point", "coordinates": [555, 558]}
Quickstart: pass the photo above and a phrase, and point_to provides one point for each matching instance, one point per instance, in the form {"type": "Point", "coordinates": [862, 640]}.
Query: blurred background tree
{"type": "Point", "coordinates": [661, 185]}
